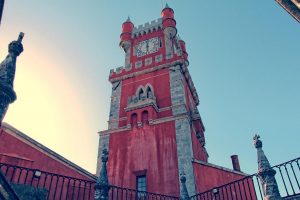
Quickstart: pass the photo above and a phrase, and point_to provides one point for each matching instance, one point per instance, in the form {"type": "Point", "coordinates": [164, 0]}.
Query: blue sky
{"type": "Point", "coordinates": [244, 61]}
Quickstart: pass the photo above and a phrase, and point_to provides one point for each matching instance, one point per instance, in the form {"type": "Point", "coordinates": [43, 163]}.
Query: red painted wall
{"type": "Point", "coordinates": [160, 82]}
{"type": "Point", "coordinates": [209, 177]}
{"type": "Point", "coordinates": [198, 150]}
{"type": "Point", "coordinates": [16, 151]}
{"type": "Point", "coordinates": [149, 150]}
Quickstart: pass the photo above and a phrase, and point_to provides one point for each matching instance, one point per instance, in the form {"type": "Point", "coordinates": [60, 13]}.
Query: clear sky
{"type": "Point", "coordinates": [244, 61]}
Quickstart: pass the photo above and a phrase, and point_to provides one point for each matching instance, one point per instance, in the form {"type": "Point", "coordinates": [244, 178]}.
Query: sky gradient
{"type": "Point", "coordinates": [244, 61]}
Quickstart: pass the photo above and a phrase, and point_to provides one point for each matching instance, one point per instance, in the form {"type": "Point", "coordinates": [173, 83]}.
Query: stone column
{"type": "Point", "coordinates": [102, 186]}
{"type": "Point", "coordinates": [7, 75]}
{"type": "Point", "coordinates": [265, 173]}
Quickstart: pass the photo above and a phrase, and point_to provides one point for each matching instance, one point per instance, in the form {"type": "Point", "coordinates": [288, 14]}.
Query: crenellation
{"type": "Point", "coordinates": [148, 61]}
{"type": "Point", "coordinates": [119, 69]}
{"type": "Point", "coordinates": [111, 71]}
{"type": "Point", "coordinates": [147, 27]}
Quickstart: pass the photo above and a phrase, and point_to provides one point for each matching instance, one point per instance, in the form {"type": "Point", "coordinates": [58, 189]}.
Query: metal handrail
{"type": "Point", "coordinates": [249, 187]}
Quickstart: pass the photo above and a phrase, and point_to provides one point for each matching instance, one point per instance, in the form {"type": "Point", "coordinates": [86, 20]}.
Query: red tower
{"type": "Point", "coordinates": [155, 131]}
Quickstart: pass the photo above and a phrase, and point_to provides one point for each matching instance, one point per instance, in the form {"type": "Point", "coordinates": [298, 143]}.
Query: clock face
{"type": "Point", "coordinates": [147, 46]}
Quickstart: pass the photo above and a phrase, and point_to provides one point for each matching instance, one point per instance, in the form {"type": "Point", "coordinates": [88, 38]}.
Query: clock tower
{"type": "Point", "coordinates": [155, 131]}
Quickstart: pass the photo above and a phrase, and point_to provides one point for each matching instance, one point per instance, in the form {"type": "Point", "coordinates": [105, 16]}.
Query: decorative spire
{"type": "Point", "coordinates": [128, 19]}
{"type": "Point", "coordinates": [265, 173]}
{"type": "Point", "coordinates": [7, 75]}
{"type": "Point", "coordinates": [102, 186]}
{"type": "Point", "coordinates": [184, 195]}
{"type": "Point", "coordinates": [167, 6]}
{"type": "Point", "coordinates": [178, 37]}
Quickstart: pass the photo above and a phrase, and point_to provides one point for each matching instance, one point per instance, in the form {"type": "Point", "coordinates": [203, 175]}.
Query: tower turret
{"type": "Point", "coordinates": [125, 37]}
{"type": "Point", "coordinates": [169, 29]}
{"type": "Point", "coordinates": [168, 21]}
{"type": "Point", "coordinates": [183, 48]}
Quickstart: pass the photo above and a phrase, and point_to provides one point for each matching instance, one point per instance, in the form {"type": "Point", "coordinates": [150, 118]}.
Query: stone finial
{"type": "Point", "coordinates": [184, 195]}
{"type": "Point", "coordinates": [7, 75]}
{"type": "Point", "coordinates": [102, 186]}
{"type": "Point", "coordinates": [265, 173]}
{"type": "Point", "coordinates": [128, 19]}
{"type": "Point", "coordinates": [178, 37]}
{"type": "Point", "coordinates": [256, 141]}
{"type": "Point", "coordinates": [16, 47]}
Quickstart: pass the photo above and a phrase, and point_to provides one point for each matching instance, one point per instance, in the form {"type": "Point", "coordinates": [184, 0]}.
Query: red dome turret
{"type": "Point", "coordinates": [168, 21]}
{"type": "Point", "coordinates": [125, 36]}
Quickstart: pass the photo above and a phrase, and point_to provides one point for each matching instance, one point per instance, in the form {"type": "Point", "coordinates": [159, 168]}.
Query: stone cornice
{"type": "Point", "coordinates": [180, 62]}
{"type": "Point", "coordinates": [145, 71]}
{"type": "Point", "coordinates": [218, 167]}
{"type": "Point", "coordinates": [156, 121]}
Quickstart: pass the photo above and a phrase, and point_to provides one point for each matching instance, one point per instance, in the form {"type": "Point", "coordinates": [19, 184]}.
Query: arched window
{"type": "Point", "coordinates": [133, 120]}
{"type": "Point", "coordinates": [145, 117]}
{"type": "Point", "coordinates": [149, 92]}
{"type": "Point", "coordinates": [141, 93]}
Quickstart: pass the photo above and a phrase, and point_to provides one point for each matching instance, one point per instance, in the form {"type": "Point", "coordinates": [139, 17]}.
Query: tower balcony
{"type": "Point", "coordinates": [141, 101]}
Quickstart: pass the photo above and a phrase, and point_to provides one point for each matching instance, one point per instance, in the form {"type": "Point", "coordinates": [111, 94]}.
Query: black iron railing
{"type": "Point", "coordinates": [249, 188]}
{"type": "Point", "coordinates": [118, 193]}
{"type": "Point", "coordinates": [56, 186]}
{"type": "Point", "coordinates": [63, 187]}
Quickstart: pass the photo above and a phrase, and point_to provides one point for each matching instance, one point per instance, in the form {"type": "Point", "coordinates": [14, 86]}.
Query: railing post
{"type": "Point", "coordinates": [102, 186]}
{"type": "Point", "coordinates": [7, 75]}
{"type": "Point", "coordinates": [184, 195]}
{"type": "Point", "coordinates": [265, 173]}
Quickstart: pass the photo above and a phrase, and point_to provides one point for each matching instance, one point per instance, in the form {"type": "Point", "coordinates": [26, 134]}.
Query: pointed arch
{"type": "Point", "coordinates": [140, 92]}
{"type": "Point", "coordinates": [149, 90]}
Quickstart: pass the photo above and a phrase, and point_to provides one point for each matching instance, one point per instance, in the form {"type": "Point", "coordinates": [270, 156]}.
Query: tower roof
{"type": "Point", "coordinates": [167, 6]}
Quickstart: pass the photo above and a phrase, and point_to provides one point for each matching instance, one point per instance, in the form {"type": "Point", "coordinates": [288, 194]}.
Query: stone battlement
{"type": "Point", "coordinates": [147, 27]}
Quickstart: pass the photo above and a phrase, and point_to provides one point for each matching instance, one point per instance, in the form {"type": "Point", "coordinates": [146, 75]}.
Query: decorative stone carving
{"type": "Point", "coordinates": [148, 61]}
{"type": "Point", "coordinates": [200, 139]}
{"type": "Point", "coordinates": [102, 186]}
{"type": "Point", "coordinates": [7, 75]}
{"type": "Point", "coordinates": [184, 195]}
{"type": "Point", "coordinates": [265, 173]}
{"type": "Point", "coordinates": [138, 64]}
{"type": "Point", "coordinates": [158, 58]}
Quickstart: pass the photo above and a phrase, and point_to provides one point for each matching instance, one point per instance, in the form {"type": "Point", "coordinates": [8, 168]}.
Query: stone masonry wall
{"type": "Point", "coordinates": [183, 128]}
{"type": "Point", "coordinates": [177, 91]}
{"type": "Point", "coordinates": [113, 120]}
{"type": "Point", "coordinates": [115, 105]}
